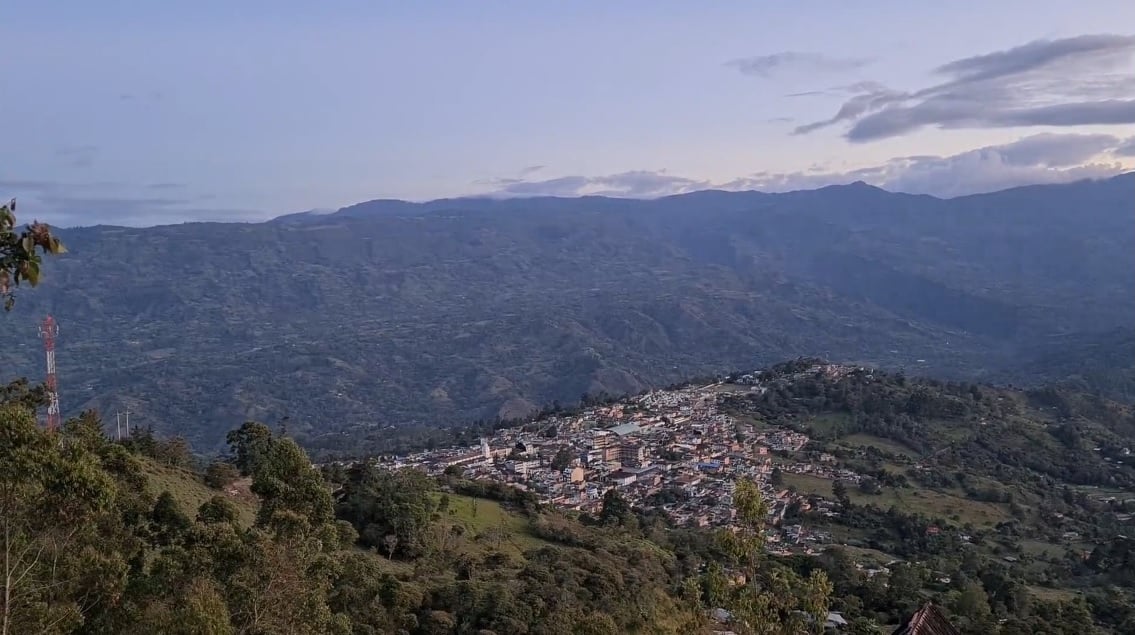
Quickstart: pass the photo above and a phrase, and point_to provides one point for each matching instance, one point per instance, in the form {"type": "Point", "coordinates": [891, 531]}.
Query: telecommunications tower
{"type": "Point", "coordinates": [48, 331]}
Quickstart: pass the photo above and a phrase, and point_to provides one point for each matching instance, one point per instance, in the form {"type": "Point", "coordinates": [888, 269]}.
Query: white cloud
{"type": "Point", "coordinates": [1041, 158]}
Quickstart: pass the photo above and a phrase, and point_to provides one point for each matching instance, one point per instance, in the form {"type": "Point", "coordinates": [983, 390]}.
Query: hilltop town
{"type": "Point", "coordinates": [668, 450]}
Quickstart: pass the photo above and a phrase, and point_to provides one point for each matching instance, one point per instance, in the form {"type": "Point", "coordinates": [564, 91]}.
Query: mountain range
{"type": "Point", "coordinates": [391, 313]}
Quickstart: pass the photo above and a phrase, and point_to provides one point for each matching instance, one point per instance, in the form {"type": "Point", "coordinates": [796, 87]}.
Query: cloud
{"type": "Point", "coordinates": [1041, 158]}
{"type": "Point", "coordinates": [984, 170]}
{"type": "Point", "coordinates": [1125, 149]}
{"type": "Point", "coordinates": [634, 184]}
{"type": "Point", "coordinates": [1083, 80]}
{"type": "Point", "coordinates": [1056, 150]}
{"type": "Point", "coordinates": [68, 204]}
{"type": "Point", "coordinates": [766, 66]}
{"type": "Point", "coordinates": [520, 177]}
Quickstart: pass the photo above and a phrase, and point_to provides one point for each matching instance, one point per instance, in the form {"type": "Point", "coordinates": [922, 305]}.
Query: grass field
{"type": "Point", "coordinates": [479, 516]}
{"type": "Point", "coordinates": [829, 425]}
{"type": "Point", "coordinates": [1053, 595]}
{"type": "Point", "coordinates": [1038, 548]}
{"type": "Point", "coordinates": [860, 440]}
{"type": "Point", "coordinates": [868, 556]}
{"type": "Point", "coordinates": [190, 492]}
{"type": "Point", "coordinates": [923, 501]}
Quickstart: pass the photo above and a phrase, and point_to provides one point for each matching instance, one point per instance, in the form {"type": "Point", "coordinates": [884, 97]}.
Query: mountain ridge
{"type": "Point", "coordinates": [482, 308]}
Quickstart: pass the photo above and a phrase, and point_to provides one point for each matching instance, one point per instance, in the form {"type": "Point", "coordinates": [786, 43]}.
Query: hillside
{"type": "Point", "coordinates": [396, 313]}
{"type": "Point", "coordinates": [987, 501]}
{"type": "Point", "coordinates": [1007, 510]}
{"type": "Point", "coordinates": [190, 492]}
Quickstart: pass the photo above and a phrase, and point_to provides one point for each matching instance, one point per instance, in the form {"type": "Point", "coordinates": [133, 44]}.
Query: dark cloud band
{"type": "Point", "coordinates": [1078, 81]}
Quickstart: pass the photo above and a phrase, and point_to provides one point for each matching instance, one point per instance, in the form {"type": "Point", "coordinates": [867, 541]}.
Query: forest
{"type": "Point", "coordinates": [97, 540]}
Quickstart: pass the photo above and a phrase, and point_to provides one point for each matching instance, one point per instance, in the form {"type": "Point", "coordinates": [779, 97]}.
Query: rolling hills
{"type": "Point", "coordinates": [389, 313]}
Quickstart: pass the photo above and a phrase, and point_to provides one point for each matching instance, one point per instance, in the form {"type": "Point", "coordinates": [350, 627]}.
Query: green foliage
{"type": "Point", "coordinates": [169, 521]}
{"type": "Point", "coordinates": [52, 499]}
{"type": "Point", "coordinates": [1009, 508]}
{"type": "Point", "coordinates": [287, 483]}
{"type": "Point", "coordinates": [250, 444]}
{"type": "Point", "coordinates": [391, 510]}
{"type": "Point", "coordinates": [615, 509]}
{"type": "Point", "coordinates": [763, 596]}
{"type": "Point", "coordinates": [218, 510]}
{"type": "Point", "coordinates": [129, 562]}
{"type": "Point", "coordinates": [21, 393]}
{"type": "Point", "coordinates": [220, 474]}
{"type": "Point", "coordinates": [489, 309]}
{"type": "Point", "coordinates": [20, 252]}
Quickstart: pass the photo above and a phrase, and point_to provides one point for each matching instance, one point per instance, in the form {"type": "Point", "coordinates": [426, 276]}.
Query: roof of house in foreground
{"type": "Point", "coordinates": [927, 620]}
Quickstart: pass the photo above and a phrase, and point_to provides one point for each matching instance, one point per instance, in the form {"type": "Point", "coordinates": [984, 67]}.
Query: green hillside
{"type": "Point", "coordinates": [451, 311]}
{"type": "Point", "coordinates": [189, 490]}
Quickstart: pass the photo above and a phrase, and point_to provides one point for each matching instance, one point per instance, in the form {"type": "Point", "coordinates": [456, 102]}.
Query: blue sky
{"type": "Point", "coordinates": [156, 112]}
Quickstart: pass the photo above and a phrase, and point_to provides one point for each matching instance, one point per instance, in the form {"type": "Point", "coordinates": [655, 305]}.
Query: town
{"type": "Point", "coordinates": [671, 450]}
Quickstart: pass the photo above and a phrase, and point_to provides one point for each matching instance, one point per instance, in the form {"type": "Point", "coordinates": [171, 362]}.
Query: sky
{"type": "Point", "coordinates": [142, 113]}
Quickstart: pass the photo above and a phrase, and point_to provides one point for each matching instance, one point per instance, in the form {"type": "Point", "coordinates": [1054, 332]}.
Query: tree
{"type": "Point", "coordinates": [218, 509]}
{"type": "Point", "coordinates": [839, 490]}
{"type": "Point", "coordinates": [454, 471]}
{"type": "Point", "coordinates": [390, 541]}
{"type": "Point", "coordinates": [776, 477]}
{"type": "Point", "coordinates": [615, 509]}
{"type": "Point", "coordinates": [279, 586]}
{"type": "Point", "coordinates": [221, 474]}
{"type": "Point", "coordinates": [20, 251]}
{"type": "Point", "coordinates": [286, 482]}
{"type": "Point", "coordinates": [249, 443]}
{"type": "Point", "coordinates": [867, 485]}
{"type": "Point", "coordinates": [21, 393]}
{"type": "Point", "coordinates": [562, 459]}
{"type": "Point", "coordinates": [169, 522]}
{"type": "Point", "coordinates": [50, 499]}
{"type": "Point", "coordinates": [971, 606]}
{"type": "Point", "coordinates": [769, 598]}
{"type": "Point", "coordinates": [175, 452]}
{"type": "Point", "coordinates": [381, 503]}
{"type": "Point", "coordinates": [200, 610]}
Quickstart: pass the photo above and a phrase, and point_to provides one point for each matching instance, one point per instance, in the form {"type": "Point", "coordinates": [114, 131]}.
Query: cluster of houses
{"type": "Point", "coordinates": [666, 450]}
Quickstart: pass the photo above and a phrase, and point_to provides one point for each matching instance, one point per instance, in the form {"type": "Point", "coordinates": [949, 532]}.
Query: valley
{"type": "Point", "coordinates": [679, 453]}
{"type": "Point", "coordinates": [441, 313]}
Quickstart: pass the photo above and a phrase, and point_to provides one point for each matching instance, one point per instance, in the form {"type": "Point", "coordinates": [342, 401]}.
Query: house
{"type": "Point", "coordinates": [621, 478]}
{"type": "Point", "coordinates": [927, 620]}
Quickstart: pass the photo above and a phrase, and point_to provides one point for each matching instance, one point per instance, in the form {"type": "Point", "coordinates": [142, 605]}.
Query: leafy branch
{"type": "Point", "coordinates": [20, 252]}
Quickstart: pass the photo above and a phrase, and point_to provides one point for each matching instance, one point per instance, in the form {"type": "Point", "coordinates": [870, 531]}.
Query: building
{"type": "Point", "coordinates": [625, 429]}
{"type": "Point", "coordinates": [574, 474]}
{"type": "Point", "coordinates": [632, 454]}
{"type": "Point", "coordinates": [927, 620]}
{"type": "Point", "coordinates": [621, 478]}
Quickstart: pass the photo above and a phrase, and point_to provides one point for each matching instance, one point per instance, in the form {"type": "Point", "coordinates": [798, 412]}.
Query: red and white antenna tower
{"type": "Point", "coordinates": [48, 331]}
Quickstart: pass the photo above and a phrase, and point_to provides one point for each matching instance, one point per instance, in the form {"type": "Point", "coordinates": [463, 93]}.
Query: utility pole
{"type": "Point", "coordinates": [127, 423]}
{"type": "Point", "coordinates": [118, 424]}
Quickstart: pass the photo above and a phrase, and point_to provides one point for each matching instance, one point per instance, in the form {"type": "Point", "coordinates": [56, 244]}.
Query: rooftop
{"type": "Point", "coordinates": [927, 620]}
{"type": "Point", "coordinates": [625, 429]}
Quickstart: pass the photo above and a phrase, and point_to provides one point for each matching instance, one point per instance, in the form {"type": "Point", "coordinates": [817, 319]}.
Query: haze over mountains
{"type": "Point", "coordinates": [390, 312]}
